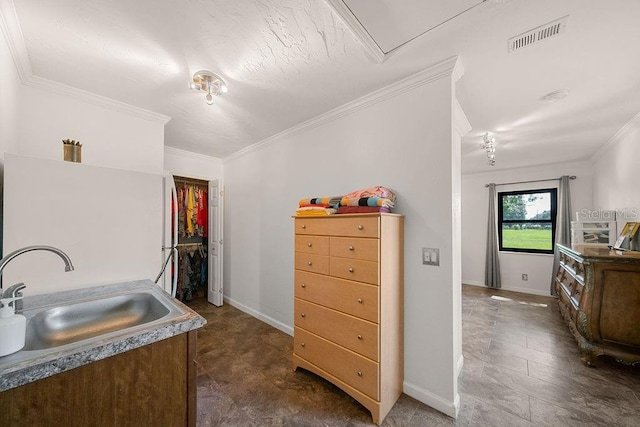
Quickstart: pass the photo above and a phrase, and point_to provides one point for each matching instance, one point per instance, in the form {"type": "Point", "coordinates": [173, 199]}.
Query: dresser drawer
{"type": "Point", "coordinates": [355, 248]}
{"type": "Point", "coordinates": [312, 262]}
{"type": "Point", "coordinates": [312, 225]}
{"type": "Point", "coordinates": [355, 370]}
{"type": "Point", "coordinates": [354, 298]}
{"type": "Point", "coordinates": [312, 244]}
{"type": "Point", "coordinates": [351, 332]}
{"type": "Point", "coordinates": [354, 269]}
{"type": "Point", "coordinates": [355, 226]}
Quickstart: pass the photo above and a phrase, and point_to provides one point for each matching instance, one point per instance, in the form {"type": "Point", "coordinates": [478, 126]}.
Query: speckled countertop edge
{"type": "Point", "coordinates": [16, 370]}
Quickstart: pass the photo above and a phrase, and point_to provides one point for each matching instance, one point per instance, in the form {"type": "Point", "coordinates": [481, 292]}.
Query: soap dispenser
{"type": "Point", "coordinates": [13, 327]}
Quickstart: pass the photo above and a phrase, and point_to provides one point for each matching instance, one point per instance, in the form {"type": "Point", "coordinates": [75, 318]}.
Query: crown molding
{"type": "Point", "coordinates": [624, 131]}
{"type": "Point", "coordinates": [191, 154]}
{"type": "Point", "coordinates": [460, 121]}
{"type": "Point", "coordinates": [92, 98]}
{"type": "Point", "coordinates": [358, 30]}
{"type": "Point", "coordinates": [10, 26]}
{"type": "Point", "coordinates": [443, 69]}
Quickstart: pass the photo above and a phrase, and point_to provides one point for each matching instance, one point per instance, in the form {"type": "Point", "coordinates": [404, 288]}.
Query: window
{"type": "Point", "coordinates": [527, 220]}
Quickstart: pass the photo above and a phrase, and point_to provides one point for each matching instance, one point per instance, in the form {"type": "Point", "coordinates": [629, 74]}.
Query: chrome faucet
{"type": "Point", "coordinates": [14, 291]}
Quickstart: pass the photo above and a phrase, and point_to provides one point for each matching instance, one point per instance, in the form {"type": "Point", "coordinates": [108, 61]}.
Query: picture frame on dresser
{"type": "Point", "coordinates": [625, 239]}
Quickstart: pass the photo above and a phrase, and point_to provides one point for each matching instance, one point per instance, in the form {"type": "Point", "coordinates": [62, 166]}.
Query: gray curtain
{"type": "Point", "coordinates": [563, 225]}
{"type": "Point", "coordinates": [492, 264]}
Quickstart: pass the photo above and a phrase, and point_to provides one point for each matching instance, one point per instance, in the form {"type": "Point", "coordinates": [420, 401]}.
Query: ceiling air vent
{"type": "Point", "coordinates": [543, 32]}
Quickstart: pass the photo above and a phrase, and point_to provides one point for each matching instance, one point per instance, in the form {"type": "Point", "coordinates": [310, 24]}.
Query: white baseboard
{"type": "Point", "coordinates": [473, 283]}
{"type": "Point", "coordinates": [266, 319]}
{"type": "Point", "coordinates": [544, 293]}
{"type": "Point", "coordinates": [436, 402]}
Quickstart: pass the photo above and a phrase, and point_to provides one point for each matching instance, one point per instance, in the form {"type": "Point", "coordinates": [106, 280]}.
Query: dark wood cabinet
{"type": "Point", "coordinates": [153, 385]}
{"type": "Point", "coordinates": [599, 297]}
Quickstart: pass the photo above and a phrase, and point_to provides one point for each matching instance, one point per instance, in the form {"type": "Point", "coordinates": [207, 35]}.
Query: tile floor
{"type": "Point", "coordinates": [521, 368]}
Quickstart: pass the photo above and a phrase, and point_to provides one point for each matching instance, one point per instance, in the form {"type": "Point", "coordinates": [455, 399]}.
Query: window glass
{"type": "Point", "coordinates": [526, 220]}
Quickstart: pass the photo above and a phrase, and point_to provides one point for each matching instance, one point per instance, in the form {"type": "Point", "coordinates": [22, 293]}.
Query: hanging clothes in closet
{"type": "Point", "coordinates": [193, 211]}
{"type": "Point", "coordinates": [193, 218]}
{"type": "Point", "coordinates": [192, 271]}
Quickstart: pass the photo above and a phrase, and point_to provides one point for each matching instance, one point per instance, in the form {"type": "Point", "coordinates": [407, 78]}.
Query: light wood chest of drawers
{"type": "Point", "coordinates": [348, 324]}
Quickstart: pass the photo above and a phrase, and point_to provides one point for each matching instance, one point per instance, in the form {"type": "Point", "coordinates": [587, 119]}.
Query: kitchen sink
{"type": "Point", "coordinates": [67, 324]}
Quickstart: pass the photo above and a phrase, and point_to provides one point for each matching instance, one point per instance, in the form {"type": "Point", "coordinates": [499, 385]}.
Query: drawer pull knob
{"type": "Point", "coordinates": [309, 262]}
{"type": "Point", "coordinates": [301, 344]}
{"type": "Point", "coordinates": [360, 337]}
{"type": "Point", "coordinates": [350, 248]}
{"type": "Point", "coordinates": [360, 300]}
{"type": "Point", "coordinates": [350, 269]}
{"type": "Point", "coordinates": [304, 226]}
{"type": "Point", "coordinates": [359, 373]}
{"type": "Point", "coordinates": [360, 227]}
{"type": "Point", "coordinates": [303, 315]}
{"type": "Point", "coordinates": [303, 285]}
{"type": "Point", "coordinates": [309, 244]}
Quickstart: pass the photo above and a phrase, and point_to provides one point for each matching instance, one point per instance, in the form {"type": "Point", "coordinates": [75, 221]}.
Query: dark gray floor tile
{"type": "Point", "coordinates": [522, 368]}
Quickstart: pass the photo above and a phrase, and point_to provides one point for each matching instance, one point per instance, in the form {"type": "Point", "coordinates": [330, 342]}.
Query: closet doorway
{"type": "Point", "coordinates": [193, 232]}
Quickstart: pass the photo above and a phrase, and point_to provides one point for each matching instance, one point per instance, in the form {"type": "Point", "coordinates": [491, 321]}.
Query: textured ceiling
{"type": "Point", "coordinates": [392, 23]}
{"type": "Point", "coordinates": [287, 61]}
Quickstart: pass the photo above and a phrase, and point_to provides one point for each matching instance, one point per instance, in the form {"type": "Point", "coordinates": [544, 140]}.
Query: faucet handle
{"type": "Point", "coordinates": [14, 291]}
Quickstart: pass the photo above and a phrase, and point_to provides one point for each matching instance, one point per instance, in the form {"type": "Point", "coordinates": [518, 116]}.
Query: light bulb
{"type": "Point", "coordinates": [209, 99]}
{"type": "Point", "coordinates": [224, 88]}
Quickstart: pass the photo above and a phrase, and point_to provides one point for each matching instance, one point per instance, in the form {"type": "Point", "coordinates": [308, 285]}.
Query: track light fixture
{"type": "Point", "coordinates": [209, 82]}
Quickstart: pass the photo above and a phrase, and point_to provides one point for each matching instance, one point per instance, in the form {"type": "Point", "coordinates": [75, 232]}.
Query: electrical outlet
{"type": "Point", "coordinates": [525, 277]}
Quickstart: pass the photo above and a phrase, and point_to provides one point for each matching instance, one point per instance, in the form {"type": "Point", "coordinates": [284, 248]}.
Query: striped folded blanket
{"type": "Point", "coordinates": [367, 201]}
{"type": "Point", "coordinates": [321, 201]}
{"type": "Point", "coordinates": [362, 209]}
{"type": "Point", "coordinates": [314, 211]}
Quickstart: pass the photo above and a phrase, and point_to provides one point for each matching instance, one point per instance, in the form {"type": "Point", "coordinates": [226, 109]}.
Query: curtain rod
{"type": "Point", "coordinates": [533, 180]}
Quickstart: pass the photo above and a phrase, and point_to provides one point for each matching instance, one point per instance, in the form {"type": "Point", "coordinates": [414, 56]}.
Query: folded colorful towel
{"type": "Point", "coordinates": [322, 201]}
{"type": "Point", "coordinates": [379, 191]}
{"type": "Point", "coordinates": [367, 201]}
{"type": "Point", "coordinates": [307, 211]}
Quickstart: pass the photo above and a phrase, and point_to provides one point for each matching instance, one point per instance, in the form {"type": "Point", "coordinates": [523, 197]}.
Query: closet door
{"type": "Point", "coordinates": [215, 293]}
{"type": "Point", "coordinates": [169, 235]}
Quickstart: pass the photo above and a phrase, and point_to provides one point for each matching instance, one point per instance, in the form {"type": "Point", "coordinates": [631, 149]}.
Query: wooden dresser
{"type": "Point", "coordinates": [599, 297]}
{"type": "Point", "coordinates": [349, 305]}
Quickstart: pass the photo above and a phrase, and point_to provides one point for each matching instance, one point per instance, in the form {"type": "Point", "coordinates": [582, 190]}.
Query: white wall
{"type": "Point", "coordinates": [191, 165]}
{"type": "Point", "coordinates": [474, 224]}
{"type": "Point", "coordinates": [110, 138]}
{"type": "Point", "coordinates": [616, 172]}
{"type": "Point", "coordinates": [109, 222]}
{"type": "Point", "coordinates": [400, 138]}
{"type": "Point", "coordinates": [10, 88]}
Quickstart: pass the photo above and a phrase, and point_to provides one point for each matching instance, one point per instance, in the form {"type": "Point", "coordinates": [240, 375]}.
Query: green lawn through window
{"type": "Point", "coordinates": [526, 239]}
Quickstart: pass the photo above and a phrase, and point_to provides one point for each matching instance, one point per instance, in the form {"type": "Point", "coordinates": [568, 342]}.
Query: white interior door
{"type": "Point", "coordinates": [170, 235]}
{"type": "Point", "coordinates": [215, 293]}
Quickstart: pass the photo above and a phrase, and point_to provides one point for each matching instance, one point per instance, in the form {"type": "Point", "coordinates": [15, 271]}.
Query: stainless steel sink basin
{"type": "Point", "coordinates": [70, 323]}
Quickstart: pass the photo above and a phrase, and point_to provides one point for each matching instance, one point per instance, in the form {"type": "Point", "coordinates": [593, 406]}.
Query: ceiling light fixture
{"type": "Point", "coordinates": [489, 145]}
{"type": "Point", "coordinates": [208, 82]}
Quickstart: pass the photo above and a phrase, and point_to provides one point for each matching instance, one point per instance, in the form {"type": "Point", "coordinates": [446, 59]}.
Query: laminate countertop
{"type": "Point", "coordinates": [26, 366]}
